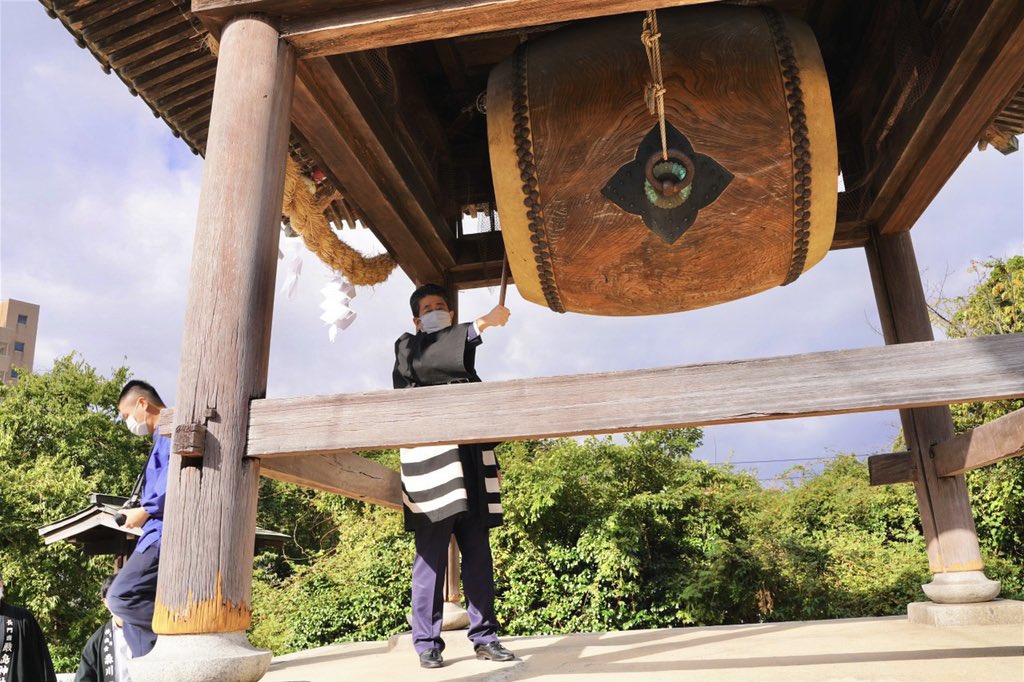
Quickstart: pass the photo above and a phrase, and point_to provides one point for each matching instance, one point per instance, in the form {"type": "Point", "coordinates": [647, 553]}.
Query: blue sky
{"type": "Point", "coordinates": [97, 214]}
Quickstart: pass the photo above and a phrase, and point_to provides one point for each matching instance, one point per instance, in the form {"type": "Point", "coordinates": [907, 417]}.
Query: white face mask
{"type": "Point", "coordinates": [139, 428]}
{"type": "Point", "coordinates": [435, 321]}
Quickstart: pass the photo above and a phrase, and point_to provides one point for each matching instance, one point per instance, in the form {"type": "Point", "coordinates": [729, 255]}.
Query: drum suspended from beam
{"type": "Point", "coordinates": [595, 219]}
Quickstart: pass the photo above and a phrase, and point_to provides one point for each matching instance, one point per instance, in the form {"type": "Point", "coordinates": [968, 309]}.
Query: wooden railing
{"type": "Point", "coordinates": [989, 443]}
{"type": "Point", "coordinates": [311, 440]}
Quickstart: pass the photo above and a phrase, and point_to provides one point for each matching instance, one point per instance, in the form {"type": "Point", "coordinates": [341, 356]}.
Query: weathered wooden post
{"type": "Point", "coordinates": [453, 589]}
{"type": "Point", "coordinates": [205, 584]}
{"type": "Point", "coordinates": [455, 615]}
{"type": "Point", "coordinates": [953, 552]}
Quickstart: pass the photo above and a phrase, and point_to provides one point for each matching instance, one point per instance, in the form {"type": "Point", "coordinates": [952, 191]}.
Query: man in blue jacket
{"type": "Point", "coordinates": [132, 596]}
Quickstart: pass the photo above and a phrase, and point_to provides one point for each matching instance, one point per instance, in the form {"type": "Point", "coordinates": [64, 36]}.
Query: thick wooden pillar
{"type": "Point", "coordinates": [943, 502]}
{"type": "Point", "coordinates": [205, 582]}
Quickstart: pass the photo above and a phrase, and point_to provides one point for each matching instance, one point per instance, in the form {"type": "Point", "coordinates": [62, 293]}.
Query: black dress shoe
{"type": "Point", "coordinates": [431, 658]}
{"type": "Point", "coordinates": [493, 651]}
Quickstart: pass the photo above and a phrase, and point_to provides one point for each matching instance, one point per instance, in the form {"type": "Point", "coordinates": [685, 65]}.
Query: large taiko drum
{"type": "Point", "coordinates": [596, 220]}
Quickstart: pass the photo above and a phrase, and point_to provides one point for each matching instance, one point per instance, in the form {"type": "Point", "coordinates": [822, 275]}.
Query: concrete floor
{"type": "Point", "coordinates": [890, 649]}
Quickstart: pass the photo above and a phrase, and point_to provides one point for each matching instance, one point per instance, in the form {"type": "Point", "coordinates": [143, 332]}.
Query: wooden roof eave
{"type": "Point", "coordinates": [160, 55]}
{"type": "Point", "coordinates": [79, 17]}
{"type": "Point", "coordinates": [979, 68]}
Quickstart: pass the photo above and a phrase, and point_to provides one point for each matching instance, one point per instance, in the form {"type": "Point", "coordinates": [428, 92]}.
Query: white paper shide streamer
{"type": "Point", "coordinates": [294, 264]}
{"type": "Point", "coordinates": [338, 293]}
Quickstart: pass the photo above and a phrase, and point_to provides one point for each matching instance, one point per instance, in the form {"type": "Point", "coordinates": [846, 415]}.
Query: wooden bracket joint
{"type": "Point", "coordinates": [189, 440]}
{"type": "Point", "coordinates": [892, 467]}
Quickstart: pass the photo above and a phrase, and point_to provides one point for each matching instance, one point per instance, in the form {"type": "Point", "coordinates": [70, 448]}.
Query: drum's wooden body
{"type": "Point", "coordinates": [746, 89]}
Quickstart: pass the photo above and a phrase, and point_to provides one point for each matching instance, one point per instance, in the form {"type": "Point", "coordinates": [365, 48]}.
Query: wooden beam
{"type": "Point", "coordinates": [814, 384]}
{"type": "Point", "coordinates": [915, 132]}
{"type": "Point", "coordinates": [891, 467]}
{"type": "Point", "coordinates": [989, 443]}
{"type": "Point", "coordinates": [451, 63]}
{"type": "Point", "coordinates": [850, 234]}
{"type": "Point", "coordinates": [335, 113]}
{"type": "Point", "coordinates": [338, 26]}
{"type": "Point", "coordinates": [342, 473]}
{"type": "Point", "coordinates": [477, 275]}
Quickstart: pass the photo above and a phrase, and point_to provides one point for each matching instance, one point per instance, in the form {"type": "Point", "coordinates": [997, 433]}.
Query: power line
{"type": "Point", "coordinates": [767, 461]}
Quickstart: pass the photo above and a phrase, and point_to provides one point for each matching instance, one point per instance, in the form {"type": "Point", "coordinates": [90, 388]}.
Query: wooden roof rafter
{"type": "Point", "coordinates": [335, 112]}
{"type": "Point", "coordinates": [909, 146]}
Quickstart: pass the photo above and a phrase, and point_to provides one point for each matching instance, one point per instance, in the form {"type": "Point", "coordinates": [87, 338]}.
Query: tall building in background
{"type": "Point", "coordinates": [19, 322]}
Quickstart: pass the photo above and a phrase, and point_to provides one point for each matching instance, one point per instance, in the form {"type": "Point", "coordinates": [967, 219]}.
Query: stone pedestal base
{"type": "Point", "coordinates": [962, 587]}
{"type": "Point", "coordinates": [455, 617]}
{"type": "Point", "coordinates": [997, 612]}
{"type": "Point", "coordinates": [218, 657]}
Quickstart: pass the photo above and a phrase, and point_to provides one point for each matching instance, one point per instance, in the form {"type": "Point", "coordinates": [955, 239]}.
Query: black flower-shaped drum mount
{"type": "Point", "coordinates": [668, 192]}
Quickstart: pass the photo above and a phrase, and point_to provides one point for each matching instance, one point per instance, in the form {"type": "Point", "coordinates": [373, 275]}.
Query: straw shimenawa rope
{"type": "Point", "coordinates": [306, 216]}
{"type": "Point", "coordinates": [307, 219]}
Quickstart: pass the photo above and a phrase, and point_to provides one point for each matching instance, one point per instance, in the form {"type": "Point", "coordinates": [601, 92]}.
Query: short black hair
{"type": "Point", "coordinates": [135, 387]}
{"type": "Point", "coordinates": [428, 290]}
{"type": "Point", "coordinates": [105, 586]}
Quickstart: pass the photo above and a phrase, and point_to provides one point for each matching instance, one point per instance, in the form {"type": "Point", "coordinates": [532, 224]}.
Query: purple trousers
{"type": "Point", "coordinates": [132, 597]}
{"type": "Point", "coordinates": [428, 578]}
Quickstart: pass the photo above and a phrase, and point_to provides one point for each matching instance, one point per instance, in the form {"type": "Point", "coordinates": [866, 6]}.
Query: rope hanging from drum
{"type": "Point", "coordinates": [654, 94]}
{"type": "Point", "coordinates": [658, 184]}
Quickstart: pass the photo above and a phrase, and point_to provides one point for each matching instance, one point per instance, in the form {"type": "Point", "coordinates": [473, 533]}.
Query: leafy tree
{"type": "Point", "coordinates": [345, 578]}
{"type": "Point", "coordinates": [59, 442]}
{"type": "Point", "coordinates": [835, 547]}
{"type": "Point", "coordinates": [601, 536]}
{"type": "Point", "coordinates": [355, 591]}
{"type": "Point", "coordinates": [598, 536]}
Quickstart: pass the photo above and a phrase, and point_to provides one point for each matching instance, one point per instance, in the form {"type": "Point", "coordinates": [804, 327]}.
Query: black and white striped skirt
{"type": "Point", "coordinates": [436, 485]}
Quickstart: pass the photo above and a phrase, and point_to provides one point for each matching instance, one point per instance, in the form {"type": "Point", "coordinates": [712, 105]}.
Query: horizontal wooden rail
{"type": "Point", "coordinates": [989, 443]}
{"type": "Point", "coordinates": [343, 473]}
{"type": "Point", "coordinates": [891, 467]}
{"type": "Point", "coordinates": [834, 382]}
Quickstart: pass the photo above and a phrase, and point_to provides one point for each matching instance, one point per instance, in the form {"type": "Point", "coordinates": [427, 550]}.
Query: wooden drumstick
{"type": "Point", "coordinates": [504, 279]}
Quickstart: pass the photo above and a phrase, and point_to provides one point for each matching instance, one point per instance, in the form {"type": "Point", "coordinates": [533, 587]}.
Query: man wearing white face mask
{"type": "Point", "coordinates": [448, 489]}
{"type": "Point", "coordinates": [133, 593]}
